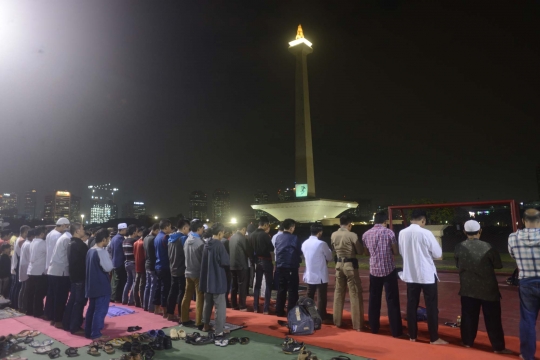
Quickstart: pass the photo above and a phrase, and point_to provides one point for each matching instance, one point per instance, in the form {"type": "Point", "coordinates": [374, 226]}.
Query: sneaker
{"type": "Point", "coordinates": [292, 347]}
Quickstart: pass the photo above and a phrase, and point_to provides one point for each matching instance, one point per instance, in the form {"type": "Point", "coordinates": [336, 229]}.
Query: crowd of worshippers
{"type": "Point", "coordinates": [162, 269]}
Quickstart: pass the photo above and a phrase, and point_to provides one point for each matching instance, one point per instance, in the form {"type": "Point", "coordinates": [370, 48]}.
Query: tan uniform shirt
{"type": "Point", "coordinates": [346, 244]}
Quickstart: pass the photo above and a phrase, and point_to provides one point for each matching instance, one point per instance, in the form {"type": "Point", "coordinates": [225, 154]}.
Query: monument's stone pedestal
{"type": "Point", "coordinates": [306, 211]}
{"type": "Point", "coordinates": [438, 232]}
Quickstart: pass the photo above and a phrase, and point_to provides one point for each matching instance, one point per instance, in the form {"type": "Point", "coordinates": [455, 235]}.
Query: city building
{"type": "Point", "coordinates": [198, 205]}
{"type": "Point", "coordinates": [103, 206]}
{"type": "Point", "coordinates": [48, 208]}
{"type": "Point", "coordinates": [288, 194]}
{"type": "Point", "coordinates": [304, 207]}
{"type": "Point", "coordinates": [62, 205]}
{"type": "Point", "coordinates": [9, 205]}
{"type": "Point", "coordinates": [261, 197]}
{"type": "Point", "coordinates": [133, 209]}
{"type": "Point", "coordinates": [221, 206]}
{"type": "Point", "coordinates": [30, 204]}
{"type": "Point", "coordinates": [75, 208]}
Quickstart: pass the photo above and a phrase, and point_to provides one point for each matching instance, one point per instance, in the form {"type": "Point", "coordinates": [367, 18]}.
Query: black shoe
{"type": "Point", "coordinates": [167, 342]}
{"type": "Point", "coordinates": [126, 347]}
{"type": "Point", "coordinates": [188, 323]}
{"type": "Point", "coordinates": [291, 346]}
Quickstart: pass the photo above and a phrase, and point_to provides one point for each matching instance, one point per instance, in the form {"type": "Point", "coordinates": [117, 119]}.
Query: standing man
{"type": "Point", "coordinates": [62, 225]}
{"type": "Point", "coordinates": [23, 268]}
{"type": "Point", "coordinates": [418, 247]}
{"type": "Point", "coordinates": [140, 277]}
{"type": "Point", "coordinates": [288, 259]}
{"type": "Point", "coordinates": [193, 250]}
{"type": "Point", "coordinates": [177, 261]}
{"type": "Point", "coordinates": [213, 280]}
{"type": "Point", "coordinates": [37, 279]}
{"type": "Point", "coordinates": [128, 296]}
{"type": "Point", "coordinates": [524, 246]}
{"type": "Point", "coordinates": [59, 275]}
{"type": "Point", "coordinates": [119, 274]}
{"type": "Point", "coordinates": [163, 269]}
{"type": "Point", "coordinates": [76, 255]}
{"type": "Point", "coordinates": [263, 254]}
{"type": "Point", "coordinates": [477, 261]}
{"type": "Point", "coordinates": [347, 246]}
{"type": "Point", "coordinates": [317, 255]}
{"type": "Point", "coordinates": [149, 265]}
{"type": "Point", "coordinates": [15, 259]}
{"type": "Point", "coordinates": [381, 246]}
{"type": "Point", "coordinates": [240, 250]}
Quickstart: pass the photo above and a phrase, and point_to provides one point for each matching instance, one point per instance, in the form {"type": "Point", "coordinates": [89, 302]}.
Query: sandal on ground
{"type": "Point", "coordinates": [304, 355]}
{"type": "Point", "coordinates": [34, 333]}
{"type": "Point", "coordinates": [16, 348]}
{"type": "Point", "coordinates": [42, 350]}
{"type": "Point", "coordinates": [54, 353]}
{"type": "Point", "coordinates": [181, 334]}
{"type": "Point", "coordinates": [244, 341]}
{"type": "Point", "coordinates": [191, 337]}
{"type": "Point", "coordinates": [94, 351]}
{"type": "Point", "coordinates": [14, 357]}
{"type": "Point", "coordinates": [117, 342]}
{"type": "Point", "coordinates": [23, 334]}
{"type": "Point", "coordinates": [108, 348]}
{"type": "Point", "coordinates": [149, 354]}
{"type": "Point", "coordinates": [35, 344]}
{"type": "Point", "coordinates": [203, 340]}
{"type": "Point", "coordinates": [234, 341]}
{"type": "Point", "coordinates": [174, 334]}
{"type": "Point", "coordinates": [71, 352]}
{"type": "Point", "coordinates": [28, 340]}
{"type": "Point", "coordinates": [47, 342]}
{"type": "Point", "coordinates": [134, 328]}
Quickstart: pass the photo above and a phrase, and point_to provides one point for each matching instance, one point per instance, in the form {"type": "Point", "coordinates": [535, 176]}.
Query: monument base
{"type": "Point", "coordinates": [306, 210]}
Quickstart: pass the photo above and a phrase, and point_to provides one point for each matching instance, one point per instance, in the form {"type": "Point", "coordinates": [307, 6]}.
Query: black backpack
{"type": "Point", "coordinates": [309, 305]}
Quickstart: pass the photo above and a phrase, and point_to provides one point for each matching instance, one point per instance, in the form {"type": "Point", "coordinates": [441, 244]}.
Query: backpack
{"type": "Point", "coordinates": [300, 321]}
{"type": "Point", "coordinates": [309, 305]}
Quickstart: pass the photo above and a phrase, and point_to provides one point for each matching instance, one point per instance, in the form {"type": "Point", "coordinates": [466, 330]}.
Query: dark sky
{"type": "Point", "coordinates": [409, 100]}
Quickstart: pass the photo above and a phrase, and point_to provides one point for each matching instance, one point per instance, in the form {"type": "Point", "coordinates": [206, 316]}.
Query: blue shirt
{"type": "Point", "coordinates": [288, 251]}
{"type": "Point", "coordinates": [161, 243]}
{"type": "Point", "coordinates": [117, 252]}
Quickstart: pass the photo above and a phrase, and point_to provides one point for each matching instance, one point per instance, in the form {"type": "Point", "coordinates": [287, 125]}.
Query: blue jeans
{"type": "Point", "coordinates": [150, 290]}
{"type": "Point", "coordinates": [266, 268]}
{"type": "Point", "coordinates": [73, 315]}
{"type": "Point", "coordinates": [529, 305]}
{"type": "Point", "coordinates": [130, 284]}
{"type": "Point", "coordinates": [95, 316]}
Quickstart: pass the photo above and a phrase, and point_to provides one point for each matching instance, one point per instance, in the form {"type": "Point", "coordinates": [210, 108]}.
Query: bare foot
{"type": "Point", "coordinates": [413, 340]}
{"type": "Point", "coordinates": [439, 341]}
{"type": "Point", "coordinates": [505, 351]}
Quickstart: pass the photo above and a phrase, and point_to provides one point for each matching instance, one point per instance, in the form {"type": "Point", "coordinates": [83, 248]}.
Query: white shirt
{"type": "Point", "coordinates": [38, 253]}
{"type": "Point", "coordinates": [59, 265]}
{"type": "Point", "coordinates": [16, 254]}
{"type": "Point", "coordinates": [274, 242]}
{"type": "Point", "coordinates": [418, 247]}
{"type": "Point", "coordinates": [317, 253]}
{"type": "Point", "coordinates": [24, 261]}
{"type": "Point", "coordinates": [51, 240]}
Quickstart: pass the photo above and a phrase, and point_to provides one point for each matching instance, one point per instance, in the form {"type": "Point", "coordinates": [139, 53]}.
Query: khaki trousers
{"type": "Point", "coordinates": [347, 276]}
{"type": "Point", "coordinates": [192, 285]}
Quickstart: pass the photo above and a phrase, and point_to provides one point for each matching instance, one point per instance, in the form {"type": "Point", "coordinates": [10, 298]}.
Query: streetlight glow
{"type": "Point", "coordinates": [155, 217]}
{"type": "Point", "coordinates": [233, 221]}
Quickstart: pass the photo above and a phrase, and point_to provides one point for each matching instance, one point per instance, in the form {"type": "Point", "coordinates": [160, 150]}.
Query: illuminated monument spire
{"type": "Point", "coordinates": [305, 177]}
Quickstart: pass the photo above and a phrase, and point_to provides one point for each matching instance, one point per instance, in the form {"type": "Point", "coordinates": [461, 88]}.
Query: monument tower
{"type": "Point", "coordinates": [305, 177]}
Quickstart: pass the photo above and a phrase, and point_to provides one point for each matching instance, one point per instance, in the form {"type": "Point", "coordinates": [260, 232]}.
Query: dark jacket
{"type": "Point", "coordinates": [262, 243]}
{"type": "Point", "coordinates": [177, 258]}
{"type": "Point", "coordinates": [117, 252]}
{"type": "Point", "coordinates": [288, 251]}
{"type": "Point", "coordinates": [149, 253]}
{"type": "Point", "coordinates": [76, 254]}
{"type": "Point", "coordinates": [240, 250]}
{"type": "Point", "coordinates": [162, 256]}
{"type": "Point", "coordinates": [213, 279]}
{"type": "Point", "coordinates": [5, 266]}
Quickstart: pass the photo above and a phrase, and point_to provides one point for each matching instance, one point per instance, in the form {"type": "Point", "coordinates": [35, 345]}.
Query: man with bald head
{"type": "Point", "coordinates": [524, 246]}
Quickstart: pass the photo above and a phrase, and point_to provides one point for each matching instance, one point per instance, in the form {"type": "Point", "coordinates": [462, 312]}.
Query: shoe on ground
{"type": "Point", "coordinates": [188, 323]}
{"type": "Point", "coordinates": [439, 341]}
{"type": "Point", "coordinates": [292, 346]}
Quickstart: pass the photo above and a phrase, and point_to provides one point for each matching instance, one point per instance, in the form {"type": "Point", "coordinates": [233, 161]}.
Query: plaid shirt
{"type": "Point", "coordinates": [378, 240]}
{"type": "Point", "coordinates": [524, 246]}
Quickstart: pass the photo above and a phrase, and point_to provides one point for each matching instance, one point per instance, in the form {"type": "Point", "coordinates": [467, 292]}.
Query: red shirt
{"type": "Point", "coordinates": [138, 252]}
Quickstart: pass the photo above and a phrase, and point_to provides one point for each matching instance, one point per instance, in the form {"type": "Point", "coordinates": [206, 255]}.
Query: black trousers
{"type": "Point", "coordinates": [391, 290]}
{"type": "Point", "coordinates": [322, 297]}
{"type": "Point", "coordinates": [288, 285]}
{"type": "Point", "coordinates": [118, 282]}
{"type": "Point", "coordinates": [176, 294]}
{"type": "Point", "coordinates": [470, 313]}
{"type": "Point", "coordinates": [36, 291]}
{"type": "Point", "coordinates": [239, 288]}
{"type": "Point", "coordinates": [431, 300]}
{"type": "Point", "coordinates": [164, 285]}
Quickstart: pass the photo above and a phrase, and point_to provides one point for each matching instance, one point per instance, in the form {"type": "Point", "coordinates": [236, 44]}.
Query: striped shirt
{"type": "Point", "coordinates": [127, 246]}
{"type": "Point", "coordinates": [378, 240]}
{"type": "Point", "coordinates": [524, 246]}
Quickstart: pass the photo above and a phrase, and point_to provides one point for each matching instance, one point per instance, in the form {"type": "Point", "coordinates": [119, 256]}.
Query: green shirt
{"type": "Point", "coordinates": [477, 261]}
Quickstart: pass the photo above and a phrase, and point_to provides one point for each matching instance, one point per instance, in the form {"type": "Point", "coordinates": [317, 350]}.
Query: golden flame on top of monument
{"type": "Point", "coordinates": [300, 39]}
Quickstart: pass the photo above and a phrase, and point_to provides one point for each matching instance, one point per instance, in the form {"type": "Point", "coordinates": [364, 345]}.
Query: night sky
{"type": "Point", "coordinates": [409, 100]}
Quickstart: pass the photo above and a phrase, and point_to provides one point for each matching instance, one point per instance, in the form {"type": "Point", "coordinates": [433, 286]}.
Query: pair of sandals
{"type": "Point", "coordinates": [45, 343]}
{"type": "Point", "coordinates": [53, 353]}
{"type": "Point", "coordinates": [26, 333]}
{"type": "Point", "coordinates": [134, 328]}
{"type": "Point", "coordinates": [241, 341]}
{"type": "Point", "coordinates": [178, 334]}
